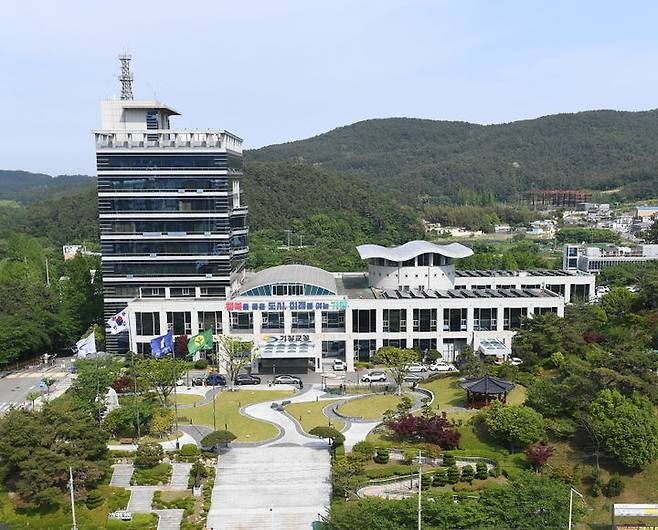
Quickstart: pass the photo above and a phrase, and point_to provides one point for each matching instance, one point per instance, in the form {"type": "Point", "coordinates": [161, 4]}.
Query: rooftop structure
{"type": "Point", "coordinates": [592, 258]}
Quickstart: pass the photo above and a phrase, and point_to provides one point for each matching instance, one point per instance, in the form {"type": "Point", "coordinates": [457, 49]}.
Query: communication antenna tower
{"type": "Point", "coordinates": [126, 77]}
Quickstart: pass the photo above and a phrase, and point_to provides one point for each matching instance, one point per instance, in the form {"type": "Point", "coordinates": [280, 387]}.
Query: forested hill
{"type": "Point", "coordinates": [26, 187]}
{"type": "Point", "coordinates": [595, 149]}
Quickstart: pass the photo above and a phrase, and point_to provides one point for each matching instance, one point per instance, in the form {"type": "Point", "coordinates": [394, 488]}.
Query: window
{"type": "Point", "coordinates": [579, 293]}
{"type": "Point", "coordinates": [333, 320]}
{"type": "Point", "coordinates": [454, 319]}
{"type": "Point", "coordinates": [395, 320]}
{"type": "Point", "coordinates": [303, 320]}
{"type": "Point", "coordinates": [144, 347]}
{"type": "Point", "coordinates": [272, 320]}
{"type": "Point", "coordinates": [485, 319]}
{"type": "Point", "coordinates": [291, 289]}
{"type": "Point", "coordinates": [556, 288]}
{"type": "Point", "coordinates": [424, 345]}
{"type": "Point", "coordinates": [364, 321]}
{"type": "Point", "coordinates": [182, 292]}
{"type": "Point", "coordinates": [210, 320]}
{"type": "Point", "coordinates": [241, 321]}
{"type": "Point", "coordinates": [396, 343]}
{"type": "Point", "coordinates": [147, 323]}
{"type": "Point", "coordinates": [505, 286]}
{"type": "Point", "coordinates": [424, 260]}
{"type": "Point", "coordinates": [212, 292]}
{"type": "Point", "coordinates": [179, 322]}
{"type": "Point", "coordinates": [545, 310]}
{"type": "Point", "coordinates": [531, 286]}
{"type": "Point", "coordinates": [424, 320]}
{"type": "Point", "coordinates": [364, 349]}
{"type": "Point", "coordinates": [153, 292]}
{"type": "Point", "coordinates": [480, 286]}
{"type": "Point", "coordinates": [572, 251]}
{"type": "Point", "coordinates": [513, 317]}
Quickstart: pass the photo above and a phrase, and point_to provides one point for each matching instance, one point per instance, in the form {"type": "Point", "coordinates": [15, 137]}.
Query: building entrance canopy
{"type": "Point", "coordinates": [288, 350]}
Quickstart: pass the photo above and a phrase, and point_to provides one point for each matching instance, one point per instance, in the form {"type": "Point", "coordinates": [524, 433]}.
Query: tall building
{"type": "Point", "coordinates": [172, 220]}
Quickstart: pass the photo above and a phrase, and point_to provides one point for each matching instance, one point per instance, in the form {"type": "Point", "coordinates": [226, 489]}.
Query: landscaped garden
{"type": "Point", "coordinates": [370, 407]}
{"type": "Point", "coordinates": [309, 414]}
{"type": "Point", "coordinates": [227, 414]}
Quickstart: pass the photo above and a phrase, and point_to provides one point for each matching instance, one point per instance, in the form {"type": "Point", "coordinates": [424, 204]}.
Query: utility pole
{"type": "Point", "coordinates": [47, 274]}
{"type": "Point", "coordinates": [420, 479]}
{"type": "Point", "coordinates": [288, 232]}
{"type": "Point", "coordinates": [75, 524]}
{"type": "Point", "coordinates": [173, 369]}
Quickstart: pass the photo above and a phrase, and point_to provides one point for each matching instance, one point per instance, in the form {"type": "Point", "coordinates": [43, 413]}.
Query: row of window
{"type": "Point", "coordinates": [485, 319]}
{"type": "Point", "coordinates": [163, 268]}
{"type": "Point", "coordinates": [161, 183]}
{"type": "Point", "coordinates": [164, 204]}
{"type": "Point", "coordinates": [167, 161]}
{"type": "Point", "coordinates": [422, 260]}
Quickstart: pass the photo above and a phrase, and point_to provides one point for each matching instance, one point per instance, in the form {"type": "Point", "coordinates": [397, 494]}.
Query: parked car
{"type": "Point", "coordinates": [515, 361]}
{"type": "Point", "coordinates": [339, 366]}
{"type": "Point", "coordinates": [442, 366]}
{"type": "Point", "coordinates": [247, 379]}
{"type": "Point", "coordinates": [413, 378]}
{"type": "Point", "coordinates": [415, 368]}
{"type": "Point", "coordinates": [216, 380]}
{"type": "Point", "coordinates": [285, 379]}
{"type": "Point", "coordinates": [197, 381]}
{"type": "Point", "coordinates": [378, 376]}
{"type": "Point", "coordinates": [180, 382]}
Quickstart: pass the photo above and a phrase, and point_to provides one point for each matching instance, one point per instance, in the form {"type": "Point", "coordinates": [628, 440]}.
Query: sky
{"type": "Point", "coordinates": [276, 71]}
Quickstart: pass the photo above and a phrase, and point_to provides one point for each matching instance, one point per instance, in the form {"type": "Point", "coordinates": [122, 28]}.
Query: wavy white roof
{"type": "Point", "coordinates": [412, 249]}
{"type": "Point", "coordinates": [304, 274]}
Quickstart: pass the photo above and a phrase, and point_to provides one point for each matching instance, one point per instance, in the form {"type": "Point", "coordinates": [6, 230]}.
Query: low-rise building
{"type": "Point", "coordinates": [302, 318]}
{"type": "Point", "coordinates": [592, 258]}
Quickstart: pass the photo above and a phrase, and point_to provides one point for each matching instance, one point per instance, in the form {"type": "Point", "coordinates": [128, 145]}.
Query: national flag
{"type": "Point", "coordinates": [118, 322]}
{"type": "Point", "coordinates": [86, 346]}
{"type": "Point", "coordinates": [162, 345]}
{"type": "Point", "coordinates": [202, 341]}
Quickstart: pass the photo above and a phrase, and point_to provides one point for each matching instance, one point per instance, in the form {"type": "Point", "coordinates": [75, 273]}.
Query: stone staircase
{"type": "Point", "coordinates": [141, 498]}
{"type": "Point", "coordinates": [180, 474]}
{"type": "Point", "coordinates": [121, 475]}
{"type": "Point", "coordinates": [169, 519]}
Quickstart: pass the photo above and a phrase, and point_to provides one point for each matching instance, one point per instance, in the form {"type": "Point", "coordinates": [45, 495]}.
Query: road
{"type": "Point", "coordinates": [15, 386]}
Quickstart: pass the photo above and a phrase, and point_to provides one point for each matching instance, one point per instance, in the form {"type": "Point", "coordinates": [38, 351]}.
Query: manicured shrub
{"type": "Point", "coordinates": [148, 455]}
{"type": "Point", "coordinates": [201, 364]}
{"type": "Point", "coordinates": [366, 449]}
{"type": "Point", "coordinates": [440, 477]}
{"type": "Point", "coordinates": [408, 456]}
{"type": "Point", "coordinates": [494, 472]}
{"type": "Point", "coordinates": [614, 487]}
{"type": "Point", "coordinates": [189, 450]}
{"type": "Point", "coordinates": [481, 470]}
{"type": "Point", "coordinates": [425, 481]}
{"type": "Point", "coordinates": [431, 429]}
{"type": "Point", "coordinates": [94, 499]}
{"type": "Point", "coordinates": [381, 456]}
{"type": "Point", "coordinates": [449, 460]}
{"type": "Point", "coordinates": [197, 473]}
{"type": "Point", "coordinates": [453, 475]}
{"type": "Point", "coordinates": [468, 473]}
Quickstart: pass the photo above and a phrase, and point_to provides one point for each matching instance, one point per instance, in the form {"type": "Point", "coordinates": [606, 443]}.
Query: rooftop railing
{"type": "Point", "coordinates": [168, 138]}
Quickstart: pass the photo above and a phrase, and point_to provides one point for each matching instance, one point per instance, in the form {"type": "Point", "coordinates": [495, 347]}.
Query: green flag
{"type": "Point", "coordinates": [202, 341]}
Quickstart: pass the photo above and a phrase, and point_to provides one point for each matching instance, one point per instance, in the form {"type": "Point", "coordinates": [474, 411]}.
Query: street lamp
{"type": "Point", "coordinates": [571, 492]}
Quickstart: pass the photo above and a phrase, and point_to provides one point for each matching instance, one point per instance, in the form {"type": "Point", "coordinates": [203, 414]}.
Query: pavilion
{"type": "Point", "coordinates": [481, 391]}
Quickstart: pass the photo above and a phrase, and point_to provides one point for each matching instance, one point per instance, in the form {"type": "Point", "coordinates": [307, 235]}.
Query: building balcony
{"type": "Point", "coordinates": [168, 139]}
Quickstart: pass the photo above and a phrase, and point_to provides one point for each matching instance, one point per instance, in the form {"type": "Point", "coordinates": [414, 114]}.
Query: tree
{"type": "Point", "coordinates": [481, 471]}
{"type": "Point", "coordinates": [218, 438]}
{"type": "Point", "coordinates": [468, 473]}
{"type": "Point", "coordinates": [32, 397]}
{"type": "Point", "coordinates": [434, 429]}
{"type": "Point", "coordinates": [453, 474]}
{"type": "Point", "coordinates": [618, 302]}
{"type": "Point", "coordinates": [345, 473]}
{"type": "Point", "coordinates": [469, 362]}
{"type": "Point", "coordinates": [396, 360]}
{"type": "Point", "coordinates": [48, 382]}
{"type": "Point", "coordinates": [329, 433]}
{"type": "Point", "coordinates": [628, 427]}
{"type": "Point", "coordinates": [160, 375]}
{"type": "Point", "coordinates": [538, 454]}
{"type": "Point", "coordinates": [148, 455]}
{"type": "Point", "coordinates": [37, 448]}
{"type": "Point", "coordinates": [94, 377]}
{"type": "Point", "coordinates": [514, 424]}
{"type": "Point", "coordinates": [651, 234]}
{"type": "Point", "coordinates": [234, 355]}
{"type": "Point", "coordinates": [162, 422]}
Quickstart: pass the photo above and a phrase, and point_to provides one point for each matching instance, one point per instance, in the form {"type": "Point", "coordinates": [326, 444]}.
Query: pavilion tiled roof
{"type": "Point", "coordinates": [487, 384]}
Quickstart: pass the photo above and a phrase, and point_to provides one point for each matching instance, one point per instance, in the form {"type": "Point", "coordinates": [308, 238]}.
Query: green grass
{"type": "Point", "coordinates": [57, 518]}
{"type": "Point", "coordinates": [227, 405]}
{"type": "Point", "coordinates": [448, 393]}
{"type": "Point", "coordinates": [370, 407]}
{"type": "Point", "coordinates": [188, 399]}
{"type": "Point", "coordinates": [309, 414]}
{"type": "Point", "coordinates": [158, 474]}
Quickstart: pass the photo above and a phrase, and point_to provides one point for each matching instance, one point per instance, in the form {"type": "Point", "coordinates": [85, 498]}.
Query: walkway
{"type": "Point", "coordinates": [121, 475]}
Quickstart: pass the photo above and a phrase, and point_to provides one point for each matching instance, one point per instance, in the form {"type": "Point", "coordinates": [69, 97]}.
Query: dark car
{"type": "Point", "coordinates": [286, 379]}
{"type": "Point", "coordinates": [216, 380]}
{"type": "Point", "coordinates": [247, 379]}
{"type": "Point", "coordinates": [197, 381]}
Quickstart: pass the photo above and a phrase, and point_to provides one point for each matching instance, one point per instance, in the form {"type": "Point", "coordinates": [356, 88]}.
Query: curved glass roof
{"type": "Point", "coordinates": [413, 249]}
{"type": "Point", "coordinates": [315, 281]}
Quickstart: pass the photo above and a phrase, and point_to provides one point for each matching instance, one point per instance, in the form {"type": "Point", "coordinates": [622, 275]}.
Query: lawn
{"type": "Point", "coordinates": [448, 393]}
{"type": "Point", "coordinates": [370, 407]}
{"type": "Point", "coordinates": [227, 405]}
{"type": "Point", "coordinates": [152, 476]}
{"type": "Point", "coordinates": [58, 518]}
{"type": "Point", "coordinates": [188, 399]}
{"type": "Point", "coordinates": [309, 414]}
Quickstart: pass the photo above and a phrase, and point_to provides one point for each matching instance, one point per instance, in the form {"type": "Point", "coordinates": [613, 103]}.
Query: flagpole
{"type": "Point", "coordinates": [173, 355]}
{"type": "Point", "coordinates": [75, 524]}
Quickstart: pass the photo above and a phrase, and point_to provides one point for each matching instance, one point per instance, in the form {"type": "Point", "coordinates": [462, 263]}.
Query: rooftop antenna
{"type": "Point", "coordinates": [126, 77]}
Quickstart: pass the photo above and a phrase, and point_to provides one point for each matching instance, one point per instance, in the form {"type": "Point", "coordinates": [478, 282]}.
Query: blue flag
{"type": "Point", "coordinates": [162, 345]}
